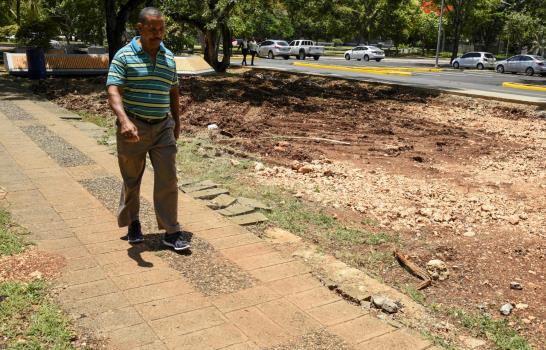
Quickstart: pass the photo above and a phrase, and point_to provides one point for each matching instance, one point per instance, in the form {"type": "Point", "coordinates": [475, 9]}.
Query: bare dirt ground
{"type": "Point", "coordinates": [457, 179]}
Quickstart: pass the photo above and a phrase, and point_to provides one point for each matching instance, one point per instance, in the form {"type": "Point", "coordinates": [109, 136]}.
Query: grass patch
{"type": "Point", "coordinates": [439, 341]}
{"type": "Point", "coordinates": [497, 331]}
{"type": "Point", "coordinates": [413, 293]}
{"type": "Point", "coordinates": [28, 320]}
{"type": "Point", "coordinates": [99, 120]}
{"type": "Point", "coordinates": [198, 160]}
{"type": "Point", "coordinates": [10, 242]}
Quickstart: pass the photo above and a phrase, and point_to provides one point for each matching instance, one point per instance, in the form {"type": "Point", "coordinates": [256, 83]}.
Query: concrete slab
{"type": "Point", "coordinates": [209, 194]}
{"type": "Point", "coordinates": [236, 209]}
{"type": "Point", "coordinates": [249, 219]}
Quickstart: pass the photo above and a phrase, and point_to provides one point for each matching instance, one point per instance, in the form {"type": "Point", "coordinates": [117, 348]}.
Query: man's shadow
{"type": "Point", "coordinates": [152, 243]}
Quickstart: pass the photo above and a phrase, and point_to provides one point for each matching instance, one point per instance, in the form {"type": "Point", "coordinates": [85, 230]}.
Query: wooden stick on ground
{"type": "Point", "coordinates": [308, 138]}
{"type": "Point", "coordinates": [414, 269]}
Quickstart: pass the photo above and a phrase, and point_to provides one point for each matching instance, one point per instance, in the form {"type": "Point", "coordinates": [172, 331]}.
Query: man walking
{"type": "Point", "coordinates": [142, 89]}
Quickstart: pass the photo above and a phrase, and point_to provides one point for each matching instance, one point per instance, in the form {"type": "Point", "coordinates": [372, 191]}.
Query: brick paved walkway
{"type": "Point", "coordinates": [130, 294]}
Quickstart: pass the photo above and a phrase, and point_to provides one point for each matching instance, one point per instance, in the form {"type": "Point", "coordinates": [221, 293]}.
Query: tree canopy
{"type": "Point", "coordinates": [492, 25]}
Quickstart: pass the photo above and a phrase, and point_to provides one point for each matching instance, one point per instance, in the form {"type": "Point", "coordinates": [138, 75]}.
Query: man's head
{"type": "Point", "coordinates": [151, 26]}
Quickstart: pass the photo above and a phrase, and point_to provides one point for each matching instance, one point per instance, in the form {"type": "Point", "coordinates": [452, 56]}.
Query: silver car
{"type": "Point", "coordinates": [274, 48]}
{"type": "Point", "coordinates": [479, 60]}
{"type": "Point", "coordinates": [365, 53]}
{"type": "Point", "coordinates": [528, 64]}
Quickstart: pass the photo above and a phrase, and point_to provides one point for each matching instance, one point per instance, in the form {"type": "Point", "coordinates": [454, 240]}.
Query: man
{"type": "Point", "coordinates": [142, 89]}
{"type": "Point", "coordinates": [253, 47]}
{"type": "Point", "coordinates": [244, 51]}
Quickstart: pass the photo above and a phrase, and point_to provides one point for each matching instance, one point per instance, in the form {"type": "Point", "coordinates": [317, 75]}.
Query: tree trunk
{"type": "Point", "coordinates": [212, 46]}
{"type": "Point", "coordinates": [18, 12]}
{"type": "Point", "coordinates": [115, 23]}
{"type": "Point", "coordinates": [456, 40]}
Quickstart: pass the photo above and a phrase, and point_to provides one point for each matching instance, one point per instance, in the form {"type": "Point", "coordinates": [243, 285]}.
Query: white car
{"type": "Point", "coordinates": [479, 60]}
{"type": "Point", "coordinates": [365, 53]}
{"type": "Point", "coordinates": [274, 48]}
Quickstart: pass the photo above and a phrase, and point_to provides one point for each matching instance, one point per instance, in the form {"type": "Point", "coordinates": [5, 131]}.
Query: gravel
{"type": "Point", "coordinates": [205, 268]}
{"type": "Point", "coordinates": [319, 340]}
{"type": "Point", "coordinates": [107, 190]}
{"type": "Point", "coordinates": [57, 148]}
{"type": "Point", "coordinates": [13, 112]}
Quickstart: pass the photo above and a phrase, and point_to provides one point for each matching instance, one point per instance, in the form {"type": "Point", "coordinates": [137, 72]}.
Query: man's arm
{"type": "Point", "coordinates": [175, 109]}
{"type": "Point", "coordinates": [127, 128]}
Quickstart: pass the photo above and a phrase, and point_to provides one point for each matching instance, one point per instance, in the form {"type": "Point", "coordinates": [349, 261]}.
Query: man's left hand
{"type": "Point", "coordinates": [176, 131]}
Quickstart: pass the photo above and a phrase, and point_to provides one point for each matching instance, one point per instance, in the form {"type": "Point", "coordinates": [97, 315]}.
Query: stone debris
{"type": "Point", "coordinates": [209, 194]}
{"type": "Point", "coordinates": [249, 219]}
{"type": "Point", "coordinates": [385, 304]}
{"type": "Point", "coordinates": [236, 209]}
{"type": "Point", "coordinates": [469, 233]}
{"type": "Point", "coordinates": [521, 306]}
{"type": "Point", "coordinates": [405, 203]}
{"type": "Point", "coordinates": [259, 166]}
{"type": "Point", "coordinates": [516, 285]}
{"type": "Point", "coordinates": [514, 219]}
{"type": "Point", "coordinates": [221, 202]}
{"type": "Point", "coordinates": [506, 309]}
{"type": "Point", "coordinates": [437, 269]}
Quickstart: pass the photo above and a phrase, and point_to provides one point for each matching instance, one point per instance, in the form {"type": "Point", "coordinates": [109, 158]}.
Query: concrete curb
{"type": "Point", "coordinates": [503, 97]}
{"type": "Point", "coordinates": [524, 86]}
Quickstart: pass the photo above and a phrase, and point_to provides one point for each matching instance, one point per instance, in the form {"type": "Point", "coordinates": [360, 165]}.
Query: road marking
{"type": "Point", "coordinates": [524, 86]}
{"type": "Point", "coordinates": [354, 69]}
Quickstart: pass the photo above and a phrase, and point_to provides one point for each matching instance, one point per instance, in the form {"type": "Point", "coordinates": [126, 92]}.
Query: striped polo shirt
{"type": "Point", "coordinates": [145, 87]}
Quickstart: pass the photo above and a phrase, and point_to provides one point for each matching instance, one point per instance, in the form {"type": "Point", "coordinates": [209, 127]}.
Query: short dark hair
{"type": "Point", "coordinates": [148, 12]}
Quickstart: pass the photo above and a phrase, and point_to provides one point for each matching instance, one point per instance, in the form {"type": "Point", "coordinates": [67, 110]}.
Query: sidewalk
{"type": "Point", "coordinates": [234, 291]}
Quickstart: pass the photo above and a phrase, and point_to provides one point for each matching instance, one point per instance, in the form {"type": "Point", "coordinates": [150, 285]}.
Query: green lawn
{"type": "Point", "coordinates": [29, 320]}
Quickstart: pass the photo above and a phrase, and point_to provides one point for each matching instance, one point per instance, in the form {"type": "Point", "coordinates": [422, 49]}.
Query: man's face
{"type": "Point", "coordinates": [152, 31]}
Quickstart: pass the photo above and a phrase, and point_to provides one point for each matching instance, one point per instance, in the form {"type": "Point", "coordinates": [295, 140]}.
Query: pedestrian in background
{"type": "Point", "coordinates": [142, 89]}
{"type": "Point", "coordinates": [244, 51]}
{"type": "Point", "coordinates": [253, 47]}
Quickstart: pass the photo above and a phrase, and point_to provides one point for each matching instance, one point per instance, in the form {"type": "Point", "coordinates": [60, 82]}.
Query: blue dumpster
{"type": "Point", "coordinates": [36, 63]}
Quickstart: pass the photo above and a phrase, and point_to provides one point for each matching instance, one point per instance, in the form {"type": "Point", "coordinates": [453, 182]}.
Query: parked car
{"type": "Point", "coordinates": [305, 48]}
{"type": "Point", "coordinates": [479, 60]}
{"type": "Point", "coordinates": [528, 64]}
{"type": "Point", "coordinates": [274, 48]}
{"type": "Point", "coordinates": [365, 53]}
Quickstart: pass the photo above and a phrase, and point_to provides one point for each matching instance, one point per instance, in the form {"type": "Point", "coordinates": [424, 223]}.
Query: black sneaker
{"type": "Point", "coordinates": [135, 233]}
{"type": "Point", "coordinates": [175, 241]}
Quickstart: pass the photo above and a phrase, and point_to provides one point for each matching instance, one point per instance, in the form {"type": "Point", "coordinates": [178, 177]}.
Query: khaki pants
{"type": "Point", "coordinates": [158, 141]}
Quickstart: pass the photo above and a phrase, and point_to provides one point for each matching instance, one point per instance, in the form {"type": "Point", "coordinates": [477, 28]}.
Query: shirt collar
{"type": "Point", "coordinates": [138, 48]}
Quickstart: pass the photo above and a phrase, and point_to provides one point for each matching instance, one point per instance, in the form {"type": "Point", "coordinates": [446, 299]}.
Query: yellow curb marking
{"type": "Point", "coordinates": [354, 69]}
{"type": "Point", "coordinates": [524, 86]}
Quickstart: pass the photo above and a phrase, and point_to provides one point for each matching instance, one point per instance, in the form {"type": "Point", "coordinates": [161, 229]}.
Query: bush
{"type": "Point", "coordinates": [337, 42]}
{"type": "Point", "coordinates": [7, 31]}
{"type": "Point", "coordinates": [37, 33]}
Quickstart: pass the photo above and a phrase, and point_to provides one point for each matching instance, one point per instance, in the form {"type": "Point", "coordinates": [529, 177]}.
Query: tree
{"type": "Point", "coordinates": [424, 30]}
{"type": "Point", "coordinates": [117, 14]}
{"type": "Point", "coordinates": [211, 18]}
{"type": "Point", "coordinates": [524, 30]}
{"type": "Point", "coordinates": [459, 12]}
{"type": "Point", "coordinates": [261, 19]}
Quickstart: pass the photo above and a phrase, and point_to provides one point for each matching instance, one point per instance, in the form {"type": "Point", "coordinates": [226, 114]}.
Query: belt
{"type": "Point", "coordinates": [145, 120]}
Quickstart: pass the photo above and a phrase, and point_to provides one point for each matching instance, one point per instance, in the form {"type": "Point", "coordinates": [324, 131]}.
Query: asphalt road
{"type": "Point", "coordinates": [483, 83]}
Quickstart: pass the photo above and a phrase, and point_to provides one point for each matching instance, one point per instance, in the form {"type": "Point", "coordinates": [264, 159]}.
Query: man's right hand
{"type": "Point", "coordinates": [129, 131]}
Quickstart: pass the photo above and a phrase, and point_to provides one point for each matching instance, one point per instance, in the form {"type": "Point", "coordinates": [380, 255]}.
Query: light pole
{"type": "Point", "coordinates": [439, 34]}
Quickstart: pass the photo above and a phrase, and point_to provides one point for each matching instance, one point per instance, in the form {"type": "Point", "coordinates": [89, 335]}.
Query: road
{"type": "Point", "coordinates": [485, 83]}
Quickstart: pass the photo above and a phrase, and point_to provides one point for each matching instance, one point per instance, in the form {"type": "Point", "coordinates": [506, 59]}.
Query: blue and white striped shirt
{"type": "Point", "coordinates": [145, 86]}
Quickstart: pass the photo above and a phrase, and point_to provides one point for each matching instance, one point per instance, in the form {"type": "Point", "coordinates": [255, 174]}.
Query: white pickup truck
{"type": "Point", "coordinates": [305, 48]}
